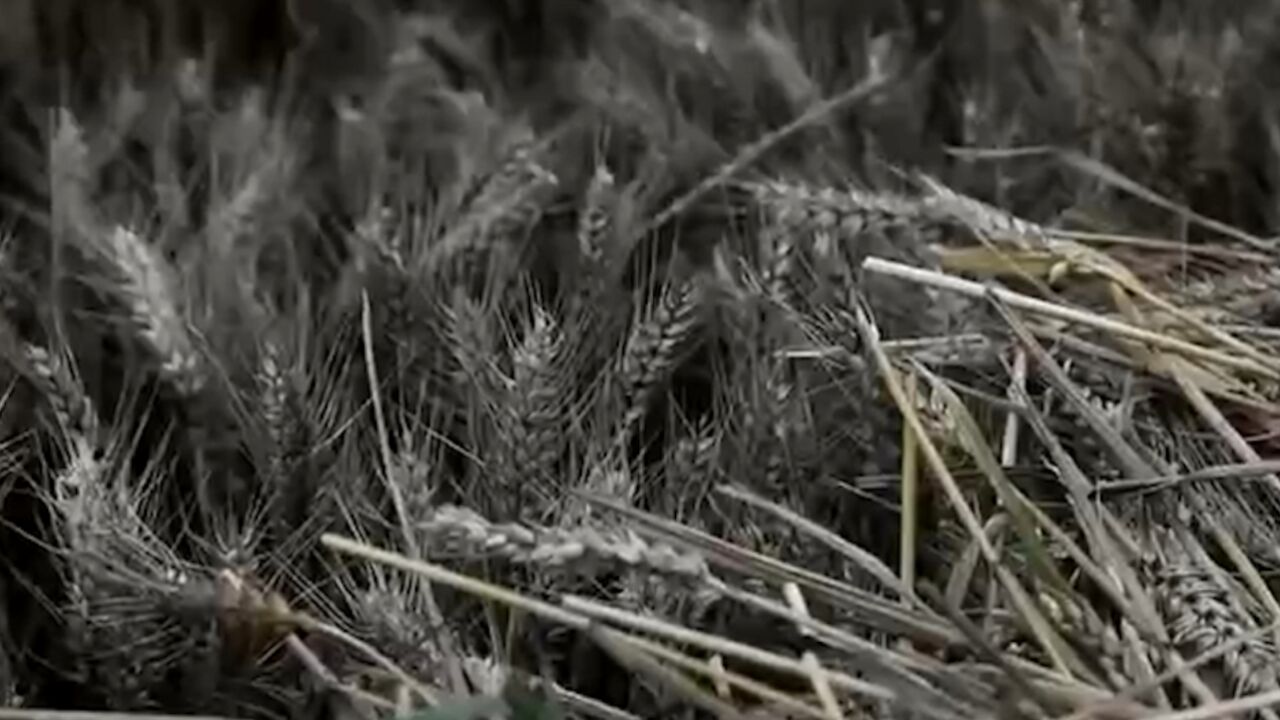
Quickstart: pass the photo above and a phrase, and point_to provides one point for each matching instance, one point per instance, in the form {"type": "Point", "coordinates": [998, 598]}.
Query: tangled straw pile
{"type": "Point", "coordinates": [601, 368]}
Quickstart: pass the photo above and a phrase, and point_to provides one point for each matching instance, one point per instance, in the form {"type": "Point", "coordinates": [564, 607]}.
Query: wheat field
{"type": "Point", "coordinates": [639, 359]}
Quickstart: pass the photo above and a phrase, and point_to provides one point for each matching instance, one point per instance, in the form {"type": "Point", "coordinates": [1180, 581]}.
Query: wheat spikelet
{"type": "Point", "coordinates": [413, 320]}
{"type": "Point", "coordinates": [487, 676]}
{"type": "Point", "coordinates": [235, 215]}
{"type": "Point", "coordinates": [390, 610]}
{"type": "Point", "coordinates": [71, 174]}
{"type": "Point", "coordinates": [77, 486]}
{"type": "Point", "coordinates": [849, 213]}
{"type": "Point", "coordinates": [413, 473]}
{"type": "Point", "coordinates": [653, 349]}
{"type": "Point", "coordinates": [506, 205]}
{"type": "Point", "coordinates": [1200, 616]}
{"type": "Point", "coordinates": [533, 421]}
{"type": "Point", "coordinates": [284, 494]}
{"type": "Point", "coordinates": [945, 204]}
{"type": "Point", "coordinates": [1089, 631]}
{"type": "Point", "coordinates": [584, 550]}
{"type": "Point", "coordinates": [692, 459]}
{"type": "Point", "coordinates": [146, 288]}
{"type": "Point", "coordinates": [778, 248]}
{"type": "Point", "coordinates": [846, 213]}
{"type": "Point", "coordinates": [595, 216]}
{"type": "Point", "coordinates": [378, 233]}
{"type": "Point", "coordinates": [779, 426]}
{"type": "Point", "coordinates": [273, 401]}
{"type": "Point", "coordinates": [72, 408]}
{"type": "Point", "coordinates": [74, 412]}
{"type": "Point", "coordinates": [766, 414]}
{"type": "Point", "coordinates": [607, 478]}
{"type": "Point", "coordinates": [390, 615]}
{"type": "Point", "coordinates": [473, 347]}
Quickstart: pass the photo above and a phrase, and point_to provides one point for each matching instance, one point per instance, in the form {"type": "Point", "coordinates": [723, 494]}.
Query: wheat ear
{"type": "Point", "coordinates": [652, 351]}
{"type": "Point", "coordinates": [533, 410]}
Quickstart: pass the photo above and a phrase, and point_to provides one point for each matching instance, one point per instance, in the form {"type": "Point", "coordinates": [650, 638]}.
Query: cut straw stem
{"type": "Point", "coordinates": [817, 674]}
{"type": "Point", "coordinates": [970, 288]}
{"type": "Point", "coordinates": [1048, 638]}
{"type": "Point", "coordinates": [909, 525]}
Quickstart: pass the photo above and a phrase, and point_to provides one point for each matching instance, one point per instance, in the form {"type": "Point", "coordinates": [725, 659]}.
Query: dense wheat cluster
{"type": "Point", "coordinates": [640, 359]}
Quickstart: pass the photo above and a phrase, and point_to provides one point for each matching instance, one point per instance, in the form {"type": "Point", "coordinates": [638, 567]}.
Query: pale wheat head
{"type": "Point", "coordinates": [144, 283]}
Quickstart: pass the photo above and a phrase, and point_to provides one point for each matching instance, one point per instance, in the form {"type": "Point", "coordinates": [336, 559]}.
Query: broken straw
{"type": "Point", "coordinates": [974, 289]}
